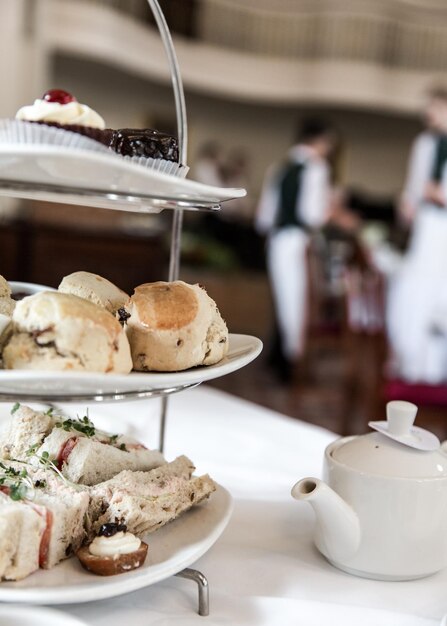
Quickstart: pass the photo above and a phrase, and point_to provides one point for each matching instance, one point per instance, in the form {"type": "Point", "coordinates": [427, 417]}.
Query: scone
{"type": "Point", "coordinates": [7, 306]}
{"type": "Point", "coordinates": [173, 326]}
{"type": "Point", "coordinates": [92, 287]}
{"type": "Point", "coordinates": [58, 331]}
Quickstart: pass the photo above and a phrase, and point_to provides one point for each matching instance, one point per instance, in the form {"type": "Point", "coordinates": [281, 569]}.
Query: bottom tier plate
{"type": "Point", "coordinates": [172, 548]}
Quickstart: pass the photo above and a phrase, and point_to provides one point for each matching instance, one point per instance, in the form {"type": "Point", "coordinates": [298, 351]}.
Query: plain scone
{"type": "Point", "coordinates": [174, 326]}
{"type": "Point", "coordinates": [57, 331]}
{"type": "Point", "coordinates": [95, 288]}
{"type": "Point", "coordinates": [7, 304]}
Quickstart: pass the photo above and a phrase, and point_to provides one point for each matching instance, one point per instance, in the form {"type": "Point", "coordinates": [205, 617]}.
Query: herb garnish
{"type": "Point", "coordinates": [18, 483]}
{"type": "Point", "coordinates": [123, 447]}
{"type": "Point", "coordinates": [15, 408]}
{"type": "Point", "coordinates": [82, 425]}
{"type": "Point", "coordinates": [113, 438]}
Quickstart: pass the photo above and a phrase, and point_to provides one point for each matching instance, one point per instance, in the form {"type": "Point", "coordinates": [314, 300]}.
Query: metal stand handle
{"type": "Point", "coordinates": [177, 85]}
{"type": "Point", "coordinates": [200, 579]}
{"type": "Point", "coordinates": [182, 130]}
{"type": "Point", "coordinates": [182, 127]}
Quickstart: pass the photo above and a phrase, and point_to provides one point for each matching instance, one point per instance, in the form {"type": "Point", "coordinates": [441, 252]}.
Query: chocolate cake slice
{"type": "Point", "coordinates": [144, 142]}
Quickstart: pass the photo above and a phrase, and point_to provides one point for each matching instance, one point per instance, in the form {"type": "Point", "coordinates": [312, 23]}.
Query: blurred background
{"type": "Point", "coordinates": [267, 83]}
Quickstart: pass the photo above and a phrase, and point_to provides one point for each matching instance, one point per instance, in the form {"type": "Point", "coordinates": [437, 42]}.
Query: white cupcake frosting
{"type": "Point", "coordinates": [70, 113]}
{"type": "Point", "coordinates": [120, 543]}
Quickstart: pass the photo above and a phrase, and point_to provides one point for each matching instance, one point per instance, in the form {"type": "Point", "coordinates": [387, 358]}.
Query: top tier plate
{"type": "Point", "coordinates": [74, 176]}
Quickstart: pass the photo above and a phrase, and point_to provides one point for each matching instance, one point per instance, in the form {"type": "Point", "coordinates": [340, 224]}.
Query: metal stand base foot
{"type": "Point", "coordinates": [204, 596]}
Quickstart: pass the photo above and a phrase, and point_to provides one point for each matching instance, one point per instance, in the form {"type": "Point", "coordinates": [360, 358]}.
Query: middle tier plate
{"type": "Point", "coordinates": [67, 386]}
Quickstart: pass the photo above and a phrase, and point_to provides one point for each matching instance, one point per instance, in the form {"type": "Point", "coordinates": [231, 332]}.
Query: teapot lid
{"type": "Point", "coordinates": [397, 449]}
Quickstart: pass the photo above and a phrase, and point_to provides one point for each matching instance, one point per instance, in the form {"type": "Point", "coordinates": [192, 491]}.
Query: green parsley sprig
{"type": "Point", "coordinates": [82, 425]}
{"type": "Point", "coordinates": [18, 482]}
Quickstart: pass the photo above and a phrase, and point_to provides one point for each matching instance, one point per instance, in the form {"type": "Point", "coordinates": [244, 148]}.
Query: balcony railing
{"type": "Point", "coordinates": [392, 33]}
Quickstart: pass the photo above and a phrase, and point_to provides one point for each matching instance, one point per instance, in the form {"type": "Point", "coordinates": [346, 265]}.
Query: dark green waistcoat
{"type": "Point", "coordinates": [290, 182]}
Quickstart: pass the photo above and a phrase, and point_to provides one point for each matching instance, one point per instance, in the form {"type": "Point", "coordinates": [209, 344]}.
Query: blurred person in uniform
{"type": "Point", "coordinates": [418, 293]}
{"type": "Point", "coordinates": [236, 175]}
{"type": "Point", "coordinates": [208, 166]}
{"type": "Point", "coordinates": [294, 201]}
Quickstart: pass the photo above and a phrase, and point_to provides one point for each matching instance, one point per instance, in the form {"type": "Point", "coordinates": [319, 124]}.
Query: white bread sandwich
{"type": "Point", "coordinates": [82, 453]}
{"type": "Point", "coordinates": [60, 507]}
{"type": "Point", "coordinates": [95, 288]}
{"type": "Point", "coordinates": [22, 531]}
{"type": "Point", "coordinates": [87, 461]}
{"type": "Point", "coordinates": [173, 326]}
{"type": "Point", "coordinates": [58, 331]}
{"type": "Point", "coordinates": [64, 508]}
{"type": "Point", "coordinates": [145, 501]}
{"type": "Point", "coordinates": [25, 429]}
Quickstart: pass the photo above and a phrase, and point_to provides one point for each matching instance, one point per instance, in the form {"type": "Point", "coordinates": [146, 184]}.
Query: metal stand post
{"type": "Point", "coordinates": [174, 261]}
{"type": "Point", "coordinates": [182, 129]}
{"type": "Point", "coordinates": [163, 413]}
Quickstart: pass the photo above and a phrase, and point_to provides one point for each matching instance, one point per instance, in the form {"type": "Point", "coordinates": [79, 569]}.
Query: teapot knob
{"type": "Point", "coordinates": [400, 416]}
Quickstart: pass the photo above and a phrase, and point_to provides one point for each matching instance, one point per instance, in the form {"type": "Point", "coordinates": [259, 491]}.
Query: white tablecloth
{"type": "Point", "coordinates": [264, 568]}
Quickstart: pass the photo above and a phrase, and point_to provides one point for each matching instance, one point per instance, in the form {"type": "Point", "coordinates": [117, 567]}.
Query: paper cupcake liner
{"type": "Point", "coordinates": [160, 165]}
{"type": "Point", "coordinates": [20, 132]}
{"type": "Point", "coordinates": [17, 131]}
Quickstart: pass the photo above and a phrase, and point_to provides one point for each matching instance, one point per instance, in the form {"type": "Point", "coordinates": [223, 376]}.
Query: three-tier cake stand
{"type": "Point", "coordinates": [125, 199]}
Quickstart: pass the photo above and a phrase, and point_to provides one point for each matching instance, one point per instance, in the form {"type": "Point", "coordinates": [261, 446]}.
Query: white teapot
{"type": "Point", "coordinates": [382, 512]}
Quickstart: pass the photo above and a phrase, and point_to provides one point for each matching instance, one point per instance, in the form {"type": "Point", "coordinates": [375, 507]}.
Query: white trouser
{"type": "Point", "coordinates": [287, 267]}
{"type": "Point", "coordinates": [418, 301]}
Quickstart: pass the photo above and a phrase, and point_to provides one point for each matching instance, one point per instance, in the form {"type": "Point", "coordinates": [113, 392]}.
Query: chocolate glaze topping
{"type": "Point", "coordinates": [143, 142]}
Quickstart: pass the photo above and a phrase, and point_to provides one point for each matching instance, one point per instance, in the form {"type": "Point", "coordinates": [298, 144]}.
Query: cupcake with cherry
{"type": "Point", "coordinates": [113, 551]}
{"type": "Point", "coordinates": [58, 118]}
{"type": "Point", "coordinates": [61, 109]}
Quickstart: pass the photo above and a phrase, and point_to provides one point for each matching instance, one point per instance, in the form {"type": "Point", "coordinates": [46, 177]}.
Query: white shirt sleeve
{"type": "Point", "coordinates": [313, 199]}
{"type": "Point", "coordinates": [268, 202]}
{"type": "Point", "coordinates": [420, 165]}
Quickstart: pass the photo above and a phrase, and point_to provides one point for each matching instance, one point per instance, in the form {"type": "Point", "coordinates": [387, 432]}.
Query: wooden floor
{"type": "Point", "coordinates": [337, 389]}
{"type": "Point", "coordinates": [325, 390]}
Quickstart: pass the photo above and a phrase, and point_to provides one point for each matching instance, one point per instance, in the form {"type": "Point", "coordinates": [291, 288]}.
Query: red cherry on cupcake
{"type": "Point", "coordinates": [58, 95]}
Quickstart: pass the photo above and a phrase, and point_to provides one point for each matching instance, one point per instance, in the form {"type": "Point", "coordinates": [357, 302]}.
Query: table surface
{"type": "Point", "coordinates": [264, 568]}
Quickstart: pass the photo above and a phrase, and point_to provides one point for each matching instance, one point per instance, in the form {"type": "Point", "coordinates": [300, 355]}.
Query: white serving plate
{"type": "Point", "coordinates": [172, 548]}
{"type": "Point", "coordinates": [28, 383]}
{"type": "Point", "coordinates": [102, 175]}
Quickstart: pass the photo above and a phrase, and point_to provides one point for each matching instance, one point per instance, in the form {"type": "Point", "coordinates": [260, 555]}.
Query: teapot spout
{"type": "Point", "coordinates": [338, 528]}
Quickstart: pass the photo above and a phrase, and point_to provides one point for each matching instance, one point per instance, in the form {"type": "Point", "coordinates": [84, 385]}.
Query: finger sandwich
{"type": "Point", "coordinates": [145, 501]}
{"type": "Point", "coordinates": [82, 453]}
